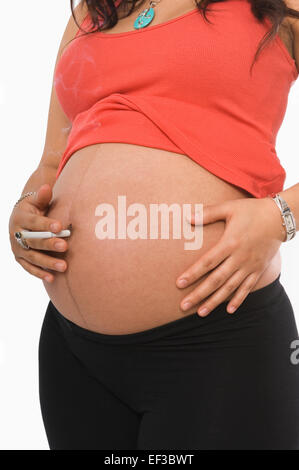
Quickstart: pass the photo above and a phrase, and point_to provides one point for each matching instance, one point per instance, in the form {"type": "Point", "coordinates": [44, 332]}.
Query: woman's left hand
{"type": "Point", "coordinates": [253, 234]}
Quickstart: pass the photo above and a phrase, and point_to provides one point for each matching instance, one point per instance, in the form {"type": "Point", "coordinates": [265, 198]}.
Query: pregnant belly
{"type": "Point", "coordinates": [122, 266]}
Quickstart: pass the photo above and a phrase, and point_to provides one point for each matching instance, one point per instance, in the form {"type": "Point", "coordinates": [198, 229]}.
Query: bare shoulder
{"type": "Point", "coordinates": [293, 22]}
{"type": "Point", "coordinates": [80, 11]}
{"type": "Point", "coordinates": [294, 27]}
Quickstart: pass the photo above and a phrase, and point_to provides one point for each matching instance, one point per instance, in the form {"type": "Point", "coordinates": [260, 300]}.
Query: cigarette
{"type": "Point", "coordinates": [63, 233]}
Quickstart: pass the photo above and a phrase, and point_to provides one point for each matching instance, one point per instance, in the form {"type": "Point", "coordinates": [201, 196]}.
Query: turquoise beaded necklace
{"type": "Point", "coordinates": [146, 16]}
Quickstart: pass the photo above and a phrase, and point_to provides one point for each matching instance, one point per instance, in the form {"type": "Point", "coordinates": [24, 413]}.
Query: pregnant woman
{"type": "Point", "coordinates": [156, 336]}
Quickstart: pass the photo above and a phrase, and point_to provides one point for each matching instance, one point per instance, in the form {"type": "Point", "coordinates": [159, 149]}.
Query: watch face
{"type": "Point", "coordinates": [289, 222]}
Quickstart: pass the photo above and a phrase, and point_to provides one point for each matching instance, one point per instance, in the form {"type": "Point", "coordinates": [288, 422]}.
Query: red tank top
{"type": "Point", "coordinates": [184, 86]}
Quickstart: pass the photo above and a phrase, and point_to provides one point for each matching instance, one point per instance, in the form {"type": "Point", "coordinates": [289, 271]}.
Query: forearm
{"type": "Point", "coordinates": [291, 196]}
{"type": "Point", "coordinates": [42, 175]}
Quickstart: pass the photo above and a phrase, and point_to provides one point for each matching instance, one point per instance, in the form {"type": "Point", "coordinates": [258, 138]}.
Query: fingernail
{"type": "Point", "coordinates": [186, 305]}
{"type": "Point", "coordinates": [182, 282]}
{"type": "Point", "coordinates": [59, 245]}
{"type": "Point", "coordinates": [60, 266]}
{"type": "Point", "coordinates": [203, 311]}
{"type": "Point", "coordinates": [198, 218]}
{"type": "Point", "coordinates": [231, 309]}
{"type": "Point", "coordinates": [54, 227]}
{"type": "Point", "coordinates": [48, 278]}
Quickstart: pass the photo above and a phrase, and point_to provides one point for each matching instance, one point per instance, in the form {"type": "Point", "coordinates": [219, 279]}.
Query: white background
{"type": "Point", "coordinates": [29, 38]}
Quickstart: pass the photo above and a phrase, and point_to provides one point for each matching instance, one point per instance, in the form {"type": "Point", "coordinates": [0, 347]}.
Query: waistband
{"type": "Point", "coordinates": [258, 299]}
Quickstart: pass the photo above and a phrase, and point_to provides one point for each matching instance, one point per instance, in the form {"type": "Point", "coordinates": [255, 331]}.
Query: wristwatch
{"type": "Point", "coordinates": [287, 216]}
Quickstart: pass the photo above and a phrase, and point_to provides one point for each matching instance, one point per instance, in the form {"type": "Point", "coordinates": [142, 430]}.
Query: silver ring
{"type": "Point", "coordinates": [21, 241]}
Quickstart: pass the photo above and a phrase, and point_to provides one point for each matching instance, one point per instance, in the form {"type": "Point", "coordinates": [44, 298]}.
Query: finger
{"type": "Point", "coordinates": [207, 262]}
{"type": "Point", "coordinates": [42, 197]}
{"type": "Point", "coordinates": [210, 213]}
{"type": "Point", "coordinates": [210, 284]}
{"type": "Point", "coordinates": [242, 292]}
{"type": "Point", "coordinates": [44, 261]}
{"type": "Point", "coordinates": [222, 294]}
{"type": "Point", "coordinates": [48, 244]}
{"type": "Point", "coordinates": [35, 271]}
{"type": "Point", "coordinates": [30, 221]}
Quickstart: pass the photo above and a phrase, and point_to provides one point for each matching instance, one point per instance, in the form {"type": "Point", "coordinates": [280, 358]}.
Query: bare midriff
{"type": "Point", "coordinates": [125, 285]}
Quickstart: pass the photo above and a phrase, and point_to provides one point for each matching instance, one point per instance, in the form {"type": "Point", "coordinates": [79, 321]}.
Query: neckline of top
{"type": "Point", "coordinates": [148, 28]}
{"type": "Point", "coordinates": [160, 25]}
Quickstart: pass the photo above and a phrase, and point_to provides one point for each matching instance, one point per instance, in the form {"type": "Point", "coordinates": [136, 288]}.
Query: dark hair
{"type": "Point", "coordinates": [106, 13]}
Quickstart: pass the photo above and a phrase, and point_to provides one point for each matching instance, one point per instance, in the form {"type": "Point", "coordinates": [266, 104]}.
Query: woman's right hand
{"type": "Point", "coordinates": [29, 214]}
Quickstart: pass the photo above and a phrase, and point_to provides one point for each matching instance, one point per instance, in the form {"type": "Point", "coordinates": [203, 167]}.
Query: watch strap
{"type": "Point", "coordinates": [287, 216]}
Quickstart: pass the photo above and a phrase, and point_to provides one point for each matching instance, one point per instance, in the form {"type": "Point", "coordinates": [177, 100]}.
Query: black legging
{"type": "Point", "coordinates": [219, 382]}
